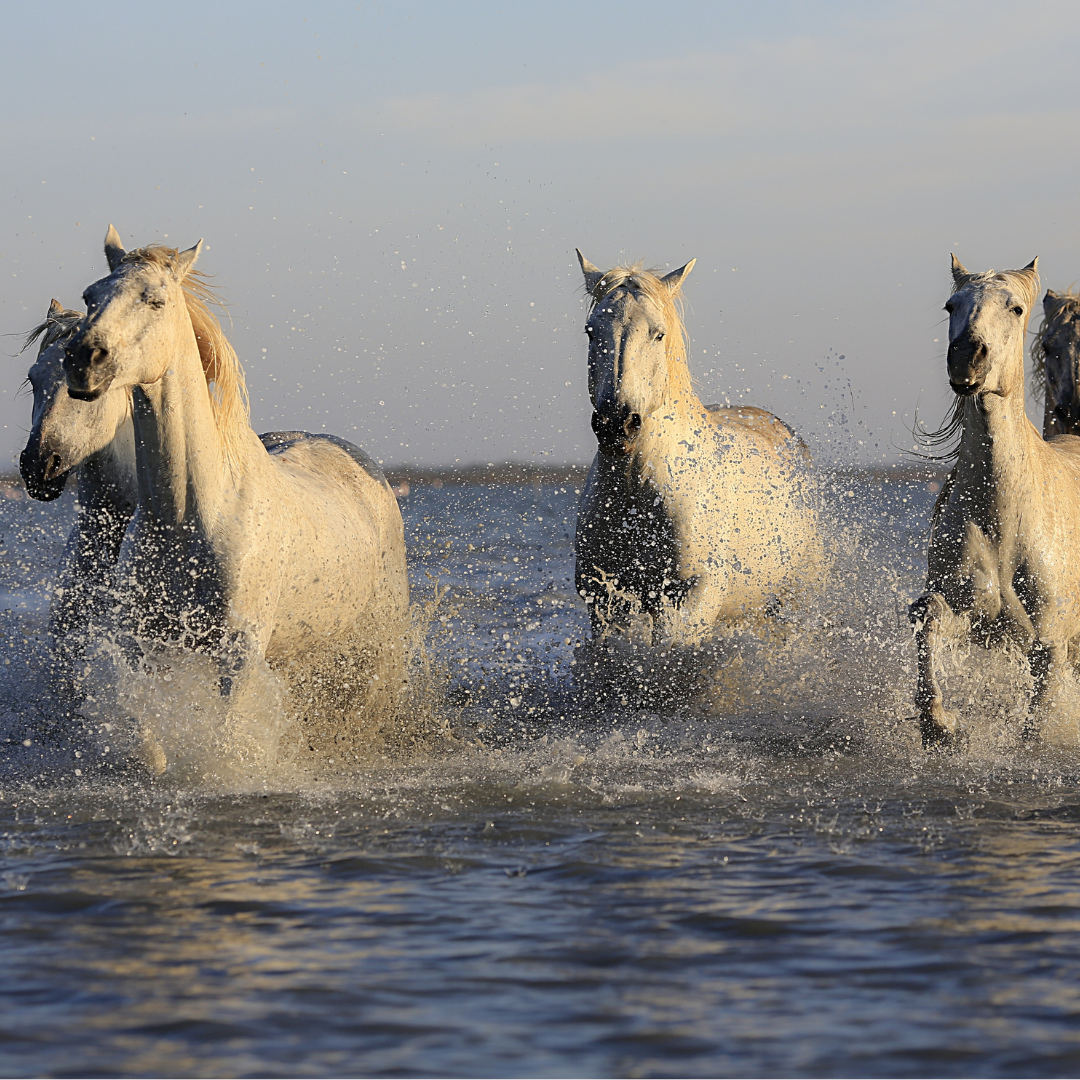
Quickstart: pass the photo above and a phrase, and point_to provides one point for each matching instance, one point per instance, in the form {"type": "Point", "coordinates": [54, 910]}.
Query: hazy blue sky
{"type": "Point", "coordinates": [391, 195]}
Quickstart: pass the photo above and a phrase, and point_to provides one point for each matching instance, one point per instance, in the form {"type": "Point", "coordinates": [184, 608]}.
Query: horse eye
{"type": "Point", "coordinates": [949, 307]}
{"type": "Point", "coordinates": [1018, 310]}
{"type": "Point", "coordinates": [660, 335]}
{"type": "Point", "coordinates": [589, 331]}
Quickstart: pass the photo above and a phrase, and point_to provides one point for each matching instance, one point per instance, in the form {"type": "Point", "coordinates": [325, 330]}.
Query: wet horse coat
{"type": "Point", "coordinates": [233, 551]}
{"type": "Point", "coordinates": [1003, 553]}
{"type": "Point", "coordinates": [95, 440]}
{"type": "Point", "coordinates": [691, 515]}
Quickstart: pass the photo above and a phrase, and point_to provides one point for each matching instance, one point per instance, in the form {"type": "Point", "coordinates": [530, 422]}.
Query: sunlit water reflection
{"type": "Point", "coordinates": [769, 882]}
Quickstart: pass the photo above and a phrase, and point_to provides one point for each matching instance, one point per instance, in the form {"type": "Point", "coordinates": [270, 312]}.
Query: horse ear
{"type": "Point", "coordinates": [1051, 301]}
{"type": "Point", "coordinates": [593, 274]}
{"type": "Point", "coordinates": [674, 280]}
{"type": "Point", "coordinates": [185, 260]}
{"type": "Point", "coordinates": [114, 250]}
{"type": "Point", "coordinates": [56, 309]}
{"type": "Point", "coordinates": [1031, 272]}
{"type": "Point", "coordinates": [959, 272]}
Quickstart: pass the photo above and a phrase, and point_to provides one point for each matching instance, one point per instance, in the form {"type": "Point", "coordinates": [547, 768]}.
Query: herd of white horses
{"type": "Point", "coordinates": [195, 533]}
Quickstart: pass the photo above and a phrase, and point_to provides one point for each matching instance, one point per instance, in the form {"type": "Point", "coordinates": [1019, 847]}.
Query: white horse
{"type": "Point", "coordinates": [232, 551]}
{"type": "Point", "coordinates": [1003, 554]}
{"type": "Point", "coordinates": [692, 515]}
{"type": "Point", "coordinates": [1055, 363]}
{"type": "Point", "coordinates": [95, 440]}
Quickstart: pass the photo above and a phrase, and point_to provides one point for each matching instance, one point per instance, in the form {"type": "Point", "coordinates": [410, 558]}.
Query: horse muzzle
{"type": "Point", "coordinates": [90, 370]}
{"type": "Point", "coordinates": [43, 475]}
{"type": "Point", "coordinates": [965, 389]}
{"type": "Point", "coordinates": [615, 430]}
{"type": "Point", "coordinates": [968, 362]}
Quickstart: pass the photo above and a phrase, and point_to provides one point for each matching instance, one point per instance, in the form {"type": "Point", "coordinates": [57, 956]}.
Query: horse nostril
{"type": "Point", "coordinates": [633, 424]}
{"type": "Point", "coordinates": [52, 467]}
{"type": "Point", "coordinates": [98, 356]}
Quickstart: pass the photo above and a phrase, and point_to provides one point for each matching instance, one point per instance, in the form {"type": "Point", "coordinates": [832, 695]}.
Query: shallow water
{"type": "Point", "coordinates": [776, 881]}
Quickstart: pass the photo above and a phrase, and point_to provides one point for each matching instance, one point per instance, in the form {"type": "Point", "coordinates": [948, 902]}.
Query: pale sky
{"type": "Point", "coordinates": [391, 195]}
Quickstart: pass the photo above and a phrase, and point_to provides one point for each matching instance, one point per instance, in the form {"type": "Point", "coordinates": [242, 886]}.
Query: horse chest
{"type": "Point", "coordinates": [627, 539]}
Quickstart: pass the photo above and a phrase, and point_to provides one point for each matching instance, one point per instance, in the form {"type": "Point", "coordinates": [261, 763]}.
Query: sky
{"type": "Point", "coordinates": [390, 196]}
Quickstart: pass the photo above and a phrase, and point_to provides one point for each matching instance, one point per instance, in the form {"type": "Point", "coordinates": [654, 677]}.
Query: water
{"type": "Point", "coordinates": [778, 885]}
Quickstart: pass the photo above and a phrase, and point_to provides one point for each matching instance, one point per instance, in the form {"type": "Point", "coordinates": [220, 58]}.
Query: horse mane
{"type": "Point", "coordinates": [220, 364]}
{"type": "Point", "coordinates": [648, 282]}
{"type": "Point", "coordinates": [1068, 309]}
{"type": "Point", "coordinates": [55, 328]}
{"type": "Point", "coordinates": [943, 443]}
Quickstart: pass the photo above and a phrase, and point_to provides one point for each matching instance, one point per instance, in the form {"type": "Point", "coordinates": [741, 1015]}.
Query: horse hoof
{"type": "Point", "coordinates": [942, 732]}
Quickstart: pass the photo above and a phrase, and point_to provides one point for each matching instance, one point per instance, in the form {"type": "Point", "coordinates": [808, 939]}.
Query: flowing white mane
{"type": "Point", "coordinates": [220, 363]}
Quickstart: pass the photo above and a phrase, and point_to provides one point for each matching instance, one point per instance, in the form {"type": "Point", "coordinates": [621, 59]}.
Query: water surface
{"type": "Point", "coordinates": [775, 881]}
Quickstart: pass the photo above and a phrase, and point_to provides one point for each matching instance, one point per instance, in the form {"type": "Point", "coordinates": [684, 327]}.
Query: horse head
{"type": "Point", "coordinates": [1057, 350]}
{"type": "Point", "coordinates": [65, 432]}
{"type": "Point", "coordinates": [988, 317]}
{"type": "Point", "coordinates": [635, 335]}
{"type": "Point", "coordinates": [133, 317]}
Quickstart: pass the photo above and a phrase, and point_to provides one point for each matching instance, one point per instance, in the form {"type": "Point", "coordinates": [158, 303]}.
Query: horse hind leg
{"type": "Point", "coordinates": [940, 729]}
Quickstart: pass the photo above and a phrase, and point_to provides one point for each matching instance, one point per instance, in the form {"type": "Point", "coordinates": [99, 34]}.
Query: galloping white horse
{"type": "Point", "coordinates": [95, 439]}
{"type": "Point", "coordinates": [691, 514]}
{"type": "Point", "coordinates": [235, 551]}
{"type": "Point", "coordinates": [1003, 554]}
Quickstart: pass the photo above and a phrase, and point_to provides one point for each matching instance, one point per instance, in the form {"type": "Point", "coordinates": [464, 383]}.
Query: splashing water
{"type": "Point", "coordinates": [505, 876]}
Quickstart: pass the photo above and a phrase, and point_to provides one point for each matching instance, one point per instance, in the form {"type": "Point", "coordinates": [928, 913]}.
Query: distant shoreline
{"type": "Point", "coordinates": [513, 473]}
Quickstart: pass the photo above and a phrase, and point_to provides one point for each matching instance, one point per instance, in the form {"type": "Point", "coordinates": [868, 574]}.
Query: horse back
{"type": "Point", "coordinates": [279, 442]}
{"type": "Point", "coordinates": [318, 460]}
{"type": "Point", "coordinates": [760, 423]}
{"type": "Point", "coordinates": [346, 532]}
{"type": "Point", "coordinates": [1066, 444]}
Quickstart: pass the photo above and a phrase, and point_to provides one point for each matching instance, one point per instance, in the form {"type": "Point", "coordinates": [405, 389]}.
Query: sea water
{"type": "Point", "coordinates": [771, 880]}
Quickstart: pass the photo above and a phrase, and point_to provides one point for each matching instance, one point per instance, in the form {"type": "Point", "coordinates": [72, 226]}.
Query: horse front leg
{"type": "Point", "coordinates": [1048, 663]}
{"type": "Point", "coordinates": [939, 728]}
{"type": "Point", "coordinates": [240, 670]}
{"type": "Point", "coordinates": [691, 613]}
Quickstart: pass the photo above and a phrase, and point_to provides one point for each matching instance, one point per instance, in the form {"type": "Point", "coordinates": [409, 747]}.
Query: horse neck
{"type": "Point", "coordinates": [681, 394]}
{"type": "Point", "coordinates": [681, 408]}
{"type": "Point", "coordinates": [179, 454]}
{"type": "Point", "coordinates": [102, 485]}
{"type": "Point", "coordinates": [998, 441]}
{"type": "Point", "coordinates": [106, 478]}
{"type": "Point", "coordinates": [664, 432]}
